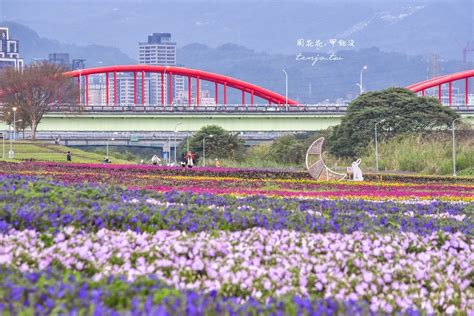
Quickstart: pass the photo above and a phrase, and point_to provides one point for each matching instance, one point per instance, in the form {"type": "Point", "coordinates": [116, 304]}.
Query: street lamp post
{"type": "Point", "coordinates": [11, 153]}
{"type": "Point", "coordinates": [286, 88]}
{"type": "Point", "coordinates": [204, 149]}
{"type": "Point", "coordinates": [360, 84]}
{"type": "Point", "coordinates": [454, 147]}
{"type": "Point", "coordinates": [14, 122]}
{"type": "Point", "coordinates": [376, 146]}
{"type": "Point", "coordinates": [107, 144]}
{"type": "Point", "coordinates": [175, 132]}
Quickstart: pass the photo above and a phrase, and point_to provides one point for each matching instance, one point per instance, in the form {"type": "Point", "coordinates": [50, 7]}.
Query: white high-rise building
{"type": "Point", "coordinates": [160, 50]}
{"type": "Point", "coordinates": [9, 51]}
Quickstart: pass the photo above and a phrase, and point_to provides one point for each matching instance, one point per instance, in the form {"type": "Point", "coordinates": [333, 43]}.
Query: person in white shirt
{"type": "Point", "coordinates": [155, 160]}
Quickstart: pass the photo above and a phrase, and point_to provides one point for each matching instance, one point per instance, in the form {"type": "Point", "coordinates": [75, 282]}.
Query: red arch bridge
{"type": "Point", "coordinates": [157, 79]}
{"type": "Point", "coordinates": [141, 82]}
{"type": "Point", "coordinates": [450, 89]}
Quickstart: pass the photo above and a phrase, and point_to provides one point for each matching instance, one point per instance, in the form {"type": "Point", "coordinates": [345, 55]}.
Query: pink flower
{"type": "Point", "coordinates": [197, 265]}
{"type": "Point", "coordinates": [450, 310]}
{"type": "Point", "coordinates": [368, 276]}
{"type": "Point", "coordinates": [267, 285]}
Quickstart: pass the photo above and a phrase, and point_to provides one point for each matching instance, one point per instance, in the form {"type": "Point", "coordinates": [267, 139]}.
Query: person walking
{"type": "Point", "coordinates": [155, 160]}
{"type": "Point", "coordinates": [69, 156]}
{"type": "Point", "coordinates": [218, 163]}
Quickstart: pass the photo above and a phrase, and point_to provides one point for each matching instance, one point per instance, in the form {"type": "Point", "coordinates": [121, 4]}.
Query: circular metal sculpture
{"type": "Point", "coordinates": [315, 163]}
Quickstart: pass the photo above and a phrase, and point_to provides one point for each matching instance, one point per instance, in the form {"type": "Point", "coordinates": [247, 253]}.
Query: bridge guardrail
{"type": "Point", "coordinates": [206, 109]}
{"type": "Point", "coordinates": [247, 108]}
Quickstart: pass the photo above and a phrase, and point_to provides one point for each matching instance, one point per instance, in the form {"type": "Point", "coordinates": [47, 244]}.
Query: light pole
{"type": "Point", "coordinates": [454, 147]}
{"type": "Point", "coordinates": [11, 153]}
{"type": "Point", "coordinates": [204, 149]}
{"type": "Point", "coordinates": [107, 144]}
{"type": "Point", "coordinates": [361, 87]}
{"type": "Point", "coordinates": [175, 132]}
{"type": "Point", "coordinates": [286, 88]}
{"type": "Point", "coordinates": [376, 146]}
{"type": "Point", "coordinates": [14, 122]}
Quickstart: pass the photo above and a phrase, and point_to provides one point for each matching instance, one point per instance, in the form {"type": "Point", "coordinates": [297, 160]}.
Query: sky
{"type": "Point", "coordinates": [273, 26]}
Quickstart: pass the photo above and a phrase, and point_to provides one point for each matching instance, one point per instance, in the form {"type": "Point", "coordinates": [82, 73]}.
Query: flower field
{"type": "Point", "coordinates": [138, 240]}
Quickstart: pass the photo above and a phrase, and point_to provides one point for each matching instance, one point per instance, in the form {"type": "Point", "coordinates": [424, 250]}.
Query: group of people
{"type": "Point", "coordinates": [188, 159]}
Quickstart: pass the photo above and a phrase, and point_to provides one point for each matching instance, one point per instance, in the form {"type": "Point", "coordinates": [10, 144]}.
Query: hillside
{"type": "Point", "coordinates": [307, 83]}
{"type": "Point", "coordinates": [34, 46]}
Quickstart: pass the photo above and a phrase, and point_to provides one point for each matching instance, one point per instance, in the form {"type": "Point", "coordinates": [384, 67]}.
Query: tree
{"type": "Point", "coordinates": [288, 149]}
{"type": "Point", "coordinates": [402, 110]}
{"type": "Point", "coordinates": [222, 144]}
{"type": "Point", "coordinates": [33, 90]}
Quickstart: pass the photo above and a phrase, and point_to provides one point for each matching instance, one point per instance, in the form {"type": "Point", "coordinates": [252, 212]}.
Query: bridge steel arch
{"type": "Point", "coordinates": [167, 73]}
{"type": "Point", "coordinates": [438, 83]}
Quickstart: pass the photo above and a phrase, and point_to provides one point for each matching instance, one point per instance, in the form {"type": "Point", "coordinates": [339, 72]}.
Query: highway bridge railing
{"type": "Point", "coordinates": [323, 108]}
{"type": "Point", "coordinates": [228, 108]}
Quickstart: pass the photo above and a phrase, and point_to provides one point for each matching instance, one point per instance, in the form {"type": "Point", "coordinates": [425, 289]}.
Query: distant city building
{"type": "Point", "coordinates": [97, 93]}
{"type": "Point", "coordinates": [160, 50]}
{"type": "Point", "coordinates": [59, 59]}
{"type": "Point", "coordinates": [9, 51]}
{"type": "Point", "coordinates": [38, 60]}
{"type": "Point", "coordinates": [205, 98]}
{"type": "Point", "coordinates": [78, 64]}
{"type": "Point", "coordinates": [62, 59]}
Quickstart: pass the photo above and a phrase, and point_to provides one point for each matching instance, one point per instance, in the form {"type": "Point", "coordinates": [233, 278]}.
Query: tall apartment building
{"type": "Point", "coordinates": [159, 50]}
{"type": "Point", "coordinates": [9, 51]}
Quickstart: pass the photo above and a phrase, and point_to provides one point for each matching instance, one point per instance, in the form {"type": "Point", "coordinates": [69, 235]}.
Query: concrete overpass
{"type": "Point", "coordinates": [166, 122]}
{"type": "Point", "coordinates": [270, 119]}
